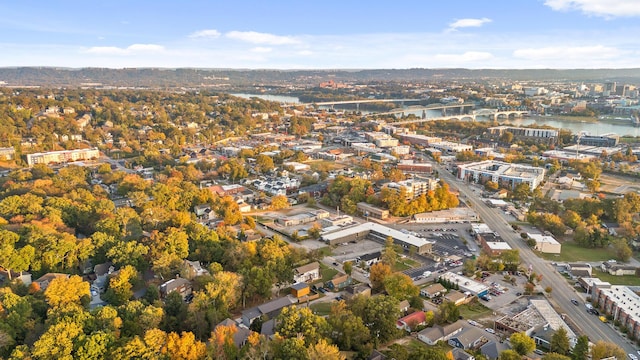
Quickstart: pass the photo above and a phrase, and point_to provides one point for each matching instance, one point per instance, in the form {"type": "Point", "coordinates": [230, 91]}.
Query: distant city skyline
{"type": "Point", "coordinates": [244, 34]}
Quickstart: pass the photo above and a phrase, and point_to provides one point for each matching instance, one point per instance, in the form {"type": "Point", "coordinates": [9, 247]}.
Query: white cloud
{"type": "Point", "coordinates": [261, 38]}
{"type": "Point", "coordinates": [208, 33]}
{"type": "Point", "coordinates": [604, 8]}
{"type": "Point", "coordinates": [130, 50]}
{"type": "Point", "coordinates": [305, 52]}
{"type": "Point", "coordinates": [567, 53]}
{"type": "Point", "coordinates": [464, 23]}
{"type": "Point", "coordinates": [261, 49]}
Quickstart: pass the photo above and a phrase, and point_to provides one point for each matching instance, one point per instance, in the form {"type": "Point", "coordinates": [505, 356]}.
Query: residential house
{"type": "Point", "coordinates": [23, 276]}
{"type": "Point", "coordinates": [490, 350]}
{"type": "Point", "coordinates": [339, 282]}
{"type": "Point", "coordinates": [432, 335]}
{"type": "Point", "coordinates": [377, 355]}
{"type": "Point", "coordinates": [193, 269]}
{"type": "Point", "coordinates": [470, 338]}
{"type": "Point", "coordinates": [369, 259]}
{"type": "Point", "coordinates": [433, 291]}
{"type": "Point", "coordinates": [459, 354]}
{"type": "Point", "coordinates": [456, 297]}
{"type": "Point", "coordinates": [270, 309]}
{"type": "Point", "coordinates": [240, 335]}
{"type": "Point", "coordinates": [180, 285]}
{"type": "Point", "coordinates": [204, 212]}
{"type": "Point", "coordinates": [404, 306]}
{"type": "Point", "coordinates": [409, 322]}
{"type": "Point", "coordinates": [102, 272]}
{"type": "Point", "coordinates": [360, 289]}
{"type": "Point", "coordinates": [44, 281]}
{"type": "Point", "coordinates": [300, 289]}
{"type": "Point", "coordinates": [307, 273]}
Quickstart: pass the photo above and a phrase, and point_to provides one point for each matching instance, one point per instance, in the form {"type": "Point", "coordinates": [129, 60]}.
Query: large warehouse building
{"type": "Point", "coordinates": [379, 233]}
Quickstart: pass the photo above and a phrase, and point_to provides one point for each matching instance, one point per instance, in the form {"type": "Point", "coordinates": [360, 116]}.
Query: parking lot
{"type": "Point", "coordinates": [501, 302]}
{"type": "Point", "coordinates": [350, 251]}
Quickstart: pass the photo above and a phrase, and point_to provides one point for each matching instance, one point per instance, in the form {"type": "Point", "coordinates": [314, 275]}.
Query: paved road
{"type": "Point", "coordinates": [563, 292]}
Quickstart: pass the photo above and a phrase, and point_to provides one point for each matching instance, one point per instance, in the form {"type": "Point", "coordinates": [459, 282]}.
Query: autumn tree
{"type": "Point", "coordinates": [324, 351]}
{"type": "Point", "coordinates": [522, 343]}
{"type": "Point", "coordinates": [560, 342]}
{"type": "Point", "coordinates": [347, 330]}
{"type": "Point", "coordinates": [294, 321]}
{"type": "Point", "coordinates": [279, 202]}
{"type": "Point", "coordinates": [120, 286]}
{"type": "Point", "coordinates": [555, 356]}
{"type": "Point", "coordinates": [377, 273]}
{"type": "Point", "coordinates": [64, 292]}
{"type": "Point", "coordinates": [389, 254]}
{"type": "Point", "coordinates": [509, 355]}
{"type": "Point", "coordinates": [400, 286]}
{"type": "Point", "coordinates": [602, 350]}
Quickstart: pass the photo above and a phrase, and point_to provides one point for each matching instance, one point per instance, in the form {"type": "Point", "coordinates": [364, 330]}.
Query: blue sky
{"type": "Point", "coordinates": [328, 34]}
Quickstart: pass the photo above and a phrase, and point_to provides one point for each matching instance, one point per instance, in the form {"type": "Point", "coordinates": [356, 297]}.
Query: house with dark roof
{"type": "Point", "coordinates": [240, 335]}
{"type": "Point", "coordinates": [579, 269]}
{"type": "Point", "coordinates": [432, 335]}
{"type": "Point", "coordinates": [456, 297]}
{"type": "Point", "coordinates": [459, 354]}
{"type": "Point", "coordinates": [300, 289]}
{"type": "Point", "coordinates": [369, 259]}
{"type": "Point", "coordinates": [470, 338]}
{"type": "Point", "coordinates": [360, 289]}
{"type": "Point", "coordinates": [409, 322]}
{"type": "Point", "coordinates": [271, 309]}
{"type": "Point", "coordinates": [179, 285]}
{"type": "Point", "coordinates": [490, 350]}
{"type": "Point", "coordinates": [307, 273]}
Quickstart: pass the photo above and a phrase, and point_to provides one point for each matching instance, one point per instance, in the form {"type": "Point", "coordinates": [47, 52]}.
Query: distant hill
{"type": "Point", "coordinates": [221, 78]}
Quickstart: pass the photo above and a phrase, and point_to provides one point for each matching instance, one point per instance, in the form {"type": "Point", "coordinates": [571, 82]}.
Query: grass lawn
{"type": "Point", "coordinates": [629, 280]}
{"type": "Point", "coordinates": [474, 310]}
{"type": "Point", "coordinates": [324, 165]}
{"type": "Point", "coordinates": [573, 252]}
{"type": "Point", "coordinates": [327, 272]}
{"type": "Point", "coordinates": [400, 266]}
{"type": "Point", "coordinates": [324, 251]}
{"type": "Point", "coordinates": [405, 263]}
{"type": "Point", "coordinates": [321, 308]}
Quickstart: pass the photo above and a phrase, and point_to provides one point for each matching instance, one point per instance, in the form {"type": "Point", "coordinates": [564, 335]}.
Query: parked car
{"type": "Point", "coordinates": [490, 330]}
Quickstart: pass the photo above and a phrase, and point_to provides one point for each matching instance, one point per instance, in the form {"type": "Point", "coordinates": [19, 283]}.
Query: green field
{"type": "Point", "coordinates": [327, 272]}
{"type": "Point", "coordinates": [573, 252]}
{"type": "Point", "coordinates": [403, 264]}
{"type": "Point", "coordinates": [629, 280]}
{"type": "Point", "coordinates": [322, 308]}
{"type": "Point", "coordinates": [474, 310]}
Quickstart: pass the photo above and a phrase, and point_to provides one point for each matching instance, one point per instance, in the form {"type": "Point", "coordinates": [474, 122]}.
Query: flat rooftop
{"type": "Point", "coordinates": [543, 238]}
{"type": "Point", "coordinates": [381, 229]}
{"type": "Point", "coordinates": [551, 317]}
{"type": "Point", "coordinates": [498, 245]}
{"type": "Point", "coordinates": [626, 299]}
{"type": "Point", "coordinates": [465, 283]}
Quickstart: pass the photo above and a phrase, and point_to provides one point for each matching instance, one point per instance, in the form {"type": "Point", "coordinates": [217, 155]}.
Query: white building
{"type": "Point", "coordinates": [546, 244]}
{"type": "Point", "coordinates": [63, 156]}
{"type": "Point", "coordinates": [448, 147]}
{"type": "Point", "coordinates": [501, 173]}
{"type": "Point", "coordinates": [466, 284]}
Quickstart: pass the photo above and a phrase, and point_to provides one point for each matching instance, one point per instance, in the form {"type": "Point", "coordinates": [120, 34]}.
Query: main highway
{"type": "Point", "coordinates": [562, 291]}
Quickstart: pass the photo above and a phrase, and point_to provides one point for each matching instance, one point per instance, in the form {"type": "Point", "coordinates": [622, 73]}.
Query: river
{"type": "Point", "coordinates": [594, 128]}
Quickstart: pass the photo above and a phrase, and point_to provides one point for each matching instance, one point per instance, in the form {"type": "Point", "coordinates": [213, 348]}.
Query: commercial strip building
{"type": "Point", "coordinates": [503, 173]}
{"type": "Point", "coordinates": [455, 215]}
{"type": "Point", "coordinates": [546, 244]}
{"type": "Point", "coordinates": [539, 320]}
{"type": "Point", "coordinates": [379, 233]}
{"type": "Point", "coordinates": [415, 139]}
{"type": "Point", "coordinates": [621, 302]}
{"type": "Point", "coordinates": [466, 284]}
{"type": "Point", "coordinates": [413, 167]}
{"type": "Point", "coordinates": [372, 211]}
{"type": "Point", "coordinates": [63, 156]}
{"type": "Point", "coordinates": [448, 147]}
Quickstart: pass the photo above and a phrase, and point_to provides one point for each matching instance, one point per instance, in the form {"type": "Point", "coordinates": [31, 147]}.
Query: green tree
{"type": "Point", "coordinates": [379, 314]}
{"type": "Point", "coordinates": [522, 343]}
{"type": "Point", "coordinates": [560, 342]}
{"type": "Point", "coordinates": [289, 348]}
{"type": "Point", "coordinates": [389, 254]}
{"type": "Point", "coordinates": [347, 266]}
{"type": "Point", "coordinates": [347, 330]}
{"type": "Point", "coordinates": [581, 349]}
{"type": "Point", "coordinates": [509, 355]}
{"type": "Point", "coordinates": [622, 249]}
{"type": "Point", "coordinates": [294, 321]}
{"type": "Point", "coordinates": [448, 312]}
